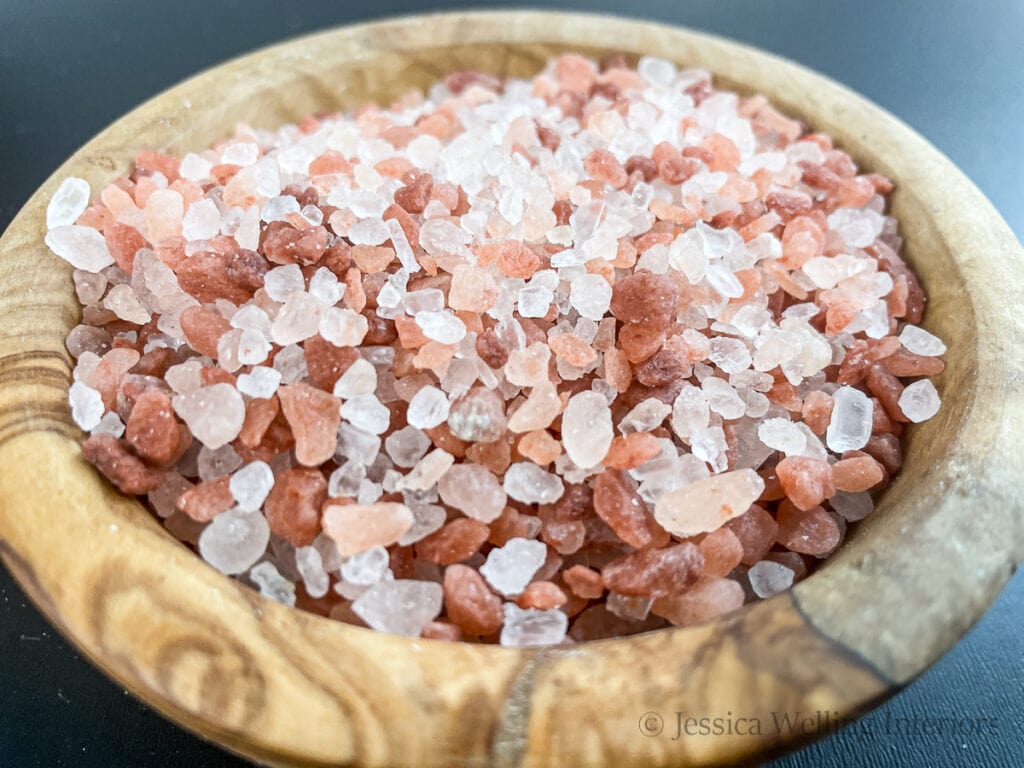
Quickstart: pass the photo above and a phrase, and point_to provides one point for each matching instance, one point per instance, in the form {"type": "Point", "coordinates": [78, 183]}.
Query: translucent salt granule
{"type": "Point", "coordinates": [282, 282]}
{"type": "Point", "coordinates": [510, 568]}
{"type": "Point", "coordinates": [201, 221]}
{"type": "Point", "coordinates": [524, 627]}
{"type": "Point", "coordinates": [360, 378]}
{"type": "Point", "coordinates": [343, 327]}
{"type": "Point", "coordinates": [920, 342]}
{"type": "Point", "coordinates": [367, 413]}
{"type": "Point", "coordinates": [213, 414]}
{"type": "Point", "coordinates": [69, 200]}
{"type": "Point", "coordinates": [442, 327]}
{"type": "Point", "coordinates": [852, 506]}
{"type": "Point", "coordinates": [234, 541]}
{"type": "Point", "coordinates": [851, 421]}
{"type": "Point", "coordinates": [212, 463]}
{"type": "Point", "coordinates": [272, 584]}
{"type": "Point", "coordinates": [526, 482]}
{"type": "Point", "coordinates": [427, 471]}
{"type": "Point", "coordinates": [110, 424]}
{"type": "Point", "coordinates": [587, 429]}
{"type": "Point", "coordinates": [297, 320]}
{"type": "Point", "coordinates": [919, 401]}
{"type": "Point", "coordinates": [367, 567]}
{"type": "Point", "coordinates": [82, 247]}
{"type": "Point", "coordinates": [769, 578]}
{"type": "Point", "coordinates": [474, 491]}
{"type": "Point", "coordinates": [401, 607]}
{"type": "Point", "coordinates": [86, 406]}
{"type": "Point", "coordinates": [310, 565]}
{"type": "Point", "coordinates": [428, 408]}
{"type": "Point", "coordinates": [590, 295]}
{"type": "Point", "coordinates": [260, 382]}
{"type": "Point", "coordinates": [406, 446]}
{"type": "Point", "coordinates": [251, 484]}
{"type": "Point", "coordinates": [325, 287]}
{"type": "Point", "coordinates": [428, 518]}
{"type": "Point", "coordinates": [706, 505]}
{"type": "Point", "coordinates": [782, 435]}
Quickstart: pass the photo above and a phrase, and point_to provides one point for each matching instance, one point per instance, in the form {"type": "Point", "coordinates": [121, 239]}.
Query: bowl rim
{"type": "Point", "coordinates": [868, 663]}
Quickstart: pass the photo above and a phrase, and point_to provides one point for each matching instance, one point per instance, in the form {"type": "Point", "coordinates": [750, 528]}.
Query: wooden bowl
{"type": "Point", "coordinates": [290, 688]}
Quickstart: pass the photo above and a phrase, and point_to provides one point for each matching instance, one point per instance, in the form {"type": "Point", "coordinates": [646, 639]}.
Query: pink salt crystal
{"type": "Point", "coordinates": [314, 416]}
{"type": "Point", "coordinates": [478, 416]}
{"type": "Point", "coordinates": [644, 297]}
{"type": "Point", "coordinates": [538, 411]}
{"type": "Point", "coordinates": [807, 481]}
{"type": "Point", "coordinates": [587, 429]}
{"type": "Point", "coordinates": [543, 595]}
{"type": "Point", "coordinates": [756, 530]}
{"type": "Point", "coordinates": [109, 372]}
{"type": "Point", "coordinates": [473, 289]}
{"type": "Point", "coordinates": [722, 552]}
{"type": "Point", "coordinates": [359, 527]}
{"type": "Point", "coordinates": [572, 349]}
{"type": "Point", "coordinates": [207, 499]}
{"type": "Point", "coordinates": [708, 598]}
{"type": "Point", "coordinates": [539, 447]}
{"type": "Point", "coordinates": [203, 329]}
{"type": "Point", "coordinates": [528, 367]}
{"type": "Point", "coordinates": [856, 473]}
{"type": "Point", "coordinates": [164, 211]}
{"type": "Point", "coordinates": [469, 603]}
{"type": "Point", "coordinates": [618, 503]}
{"type": "Point", "coordinates": [705, 505]}
{"type": "Point", "coordinates": [632, 450]}
{"type": "Point", "coordinates": [585, 582]}
{"type": "Point", "coordinates": [453, 543]}
{"type": "Point", "coordinates": [654, 572]}
{"type": "Point", "coordinates": [473, 490]}
{"type": "Point", "coordinates": [119, 466]}
{"type": "Point", "coordinates": [152, 430]}
{"type": "Point", "coordinates": [811, 532]}
{"type": "Point", "coordinates": [293, 505]}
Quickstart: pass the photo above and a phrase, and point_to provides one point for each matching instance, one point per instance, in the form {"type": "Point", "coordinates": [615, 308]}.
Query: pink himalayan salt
{"type": "Point", "coordinates": [358, 527]}
{"type": "Point", "coordinates": [708, 598]}
{"type": "Point", "coordinates": [812, 531]}
{"type": "Point", "coordinates": [152, 430]}
{"type": "Point", "coordinates": [584, 582]}
{"type": "Point", "coordinates": [542, 595]}
{"type": "Point", "coordinates": [293, 505]}
{"type": "Point", "coordinates": [654, 572]}
{"type": "Point", "coordinates": [314, 416]}
{"type": "Point", "coordinates": [722, 550]}
{"type": "Point", "coordinates": [707, 504]}
{"type": "Point", "coordinates": [756, 530]}
{"type": "Point", "coordinates": [618, 503]}
{"type": "Point", "coordinates": [455, 542]}
{"type": "Point", "coordinates": [806, 481]}
{"type": "Point", "coordinates": [469, 602]}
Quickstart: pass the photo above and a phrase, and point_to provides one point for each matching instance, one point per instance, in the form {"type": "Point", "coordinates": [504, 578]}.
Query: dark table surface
{"type": "Point", "coordinates": [950, 69]}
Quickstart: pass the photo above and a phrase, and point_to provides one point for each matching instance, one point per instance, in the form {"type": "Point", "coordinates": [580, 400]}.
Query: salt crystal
{"type": "Point", "coordinates": [424, 300]}
{"type": "Point", "coordinates": [528, 483]}
{"type": "Point", "coordinates": [474, 491]}
{"type": "Point", "coordinates": [769, 578]}
{"type": "Point", "coordinates": [369, 232]}
{"type": "Point", "coordinates": [401, 607]}
{"type": "Point", "coordinates": [722, 398]}
{"type": "Point", "coordinates": [260, 382]}
{"type": "Point", "coordinates": [213, 414]}
{"type": "Point", "coordinates": [212, 463]}
{"type": "Point", "coordinates": [851, 421]}
{"type": "Point", "coordinates": [310, 565]}
{"type": "Point", "coordinates": [69, 200]}
{"type": "Point", "coordinates": [366, 567]}
{"type": "Point", "coordinates": [357, 444]}
{"type": "Point", "coordinates": [110, 424]}
{"type": "Point", "coordinates": [656, 71]}
{"type": "Point", "coordinates": [782, 435]}
{"type": "Point", "coordinates": [510, 568]}
{"type": "Point", "coordinates": [919, 401]}
{"type": "Point", "coordinates": [281, 282]}
{"type": "Point", "coordinates": [427, 472]}
{"type": "Point", "coordinates": [344, 482]}
{"type": "Point", "coordinates": [406, 446]}
{"type": "Point", "coordinates": [297, 320]}
{"type": "Point", "coordinates": [360, 378]}
{"type": "Point", "coordinates": [525, 627]}
{"type": "Point", "coordinates": [82, 247]}
{"type": "Point", "coordinates": [591, 295]}
{"type": "Point", "coordinates": [731, 355]}
{"type": "Point", "coordinates": [251, 484]}
{"type": "Point", "coordinates": [251, 318]}
{"type": "Point", "coordinates": [439, 236]}
{"type": "Point", "coordinates": [201, 220]}
{"type": "Point", "coordinates": [852, 506]}
{"type": "Point", "coordinates": [290, 362]}
{"type": "Point", "coordinates": [234, 541]}
{"type": "Point", "coordinates": [535, 301]}
{"type": "Point", "coordinates": [277, 208]}
{"type": "Point", "coordinates": [442, 327]}
{"type": "Point", "coordinates": [195, 168]}
{"type": "Point", "coordinates": [690, 411]}
{"type": "Point", "coordinates": [724, 281]}
{"type": "Point", "coordinates": [429, 518]}
{"type": "Point", "coordinates": [920, 342]}
{"type": "Point", "coordinates": [343, 327]}
{"type": "Point", "coordinates": [587, 429]}
{"type": "Point", "coordinates": [86, 406]}
{"type": "Point", "coordinates": [272, 584]}
{"type": "Point", "coordinates": [325, 287]}
{"type": "Point", "coordinates": [240, 153]}
{"type": "Point", "coordinates": [428, 408]}
{"type": "Point", "coordinates": [253, 347]}
{"type": "Point", "coordinates": [650, 413]}
{"type": "Point", "coordinates": [367, 412]}
{"type": "Point", "coordinates": [358, 527]}
{"type": "Point", "coordinates": [706, 505]}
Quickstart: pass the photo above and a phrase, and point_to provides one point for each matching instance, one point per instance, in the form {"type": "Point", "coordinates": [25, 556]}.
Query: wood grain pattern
{"type": "Point", "coordinates": [289, 688]}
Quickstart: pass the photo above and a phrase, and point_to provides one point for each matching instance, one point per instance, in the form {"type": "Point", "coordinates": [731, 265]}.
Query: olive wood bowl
{"type": "Point", "coordinates": [290, 688]}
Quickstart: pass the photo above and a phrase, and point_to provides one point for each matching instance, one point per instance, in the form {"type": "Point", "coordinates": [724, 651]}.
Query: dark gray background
{"type": "Point", "coordinates": [950, 69]}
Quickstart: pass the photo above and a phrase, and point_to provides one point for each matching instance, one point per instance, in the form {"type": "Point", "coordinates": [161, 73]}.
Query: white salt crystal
{"type": "Point", "coordinates": [357, 444]}
{"type": "Point", "coordinates": [367, 413]}
{"type": "Point", "coordinates": [251, 318]}
{"type": "Point", "coordinates": [533, 627]}
{"type": "Point", "coordinates": [510, 568]}
{"type": "Point", "coordinates": [360, 378]}
{"type": "Point", "coordinates": [281, 282]}
{"type": "Point", "coordinates": [528, 483]}
{"type": "Point", "coordinates": [259, 382]}
{"type": "Point", "coordinates": [731, 355]}
{"type": "Point", "coordinates": [201, 220]}
{"type": "Point", "coordinates": [919, 401]}
{"type": "Point", "coordinates": [297, 320]}
{"type": "Point", "coordinates": [473, 490]}
{"type": "Point", "coordinates": [195, 168]}
{"type": "Point", "coordinates": [310, 565]}
{"type": "Point", "coordinates": [656, 71]}
{"type": "Point", "coordinates": [428, 519]}
{"type": "Point", "coordinates": [253, 347]}
{"type": "Point", "coordinates": [852, 506]}
{"type": "Point", "coordinates": [587, 429]}
{"type": "Point", "coordinates": [535, 301]}
{"type": "Point", "coordinates": [82, 247]}
{"type": "Point", "coordinates": [722, 398]}
{"type": "Point", "coordinates": [769, 578]}
{"type": "Point", "coordinates": [647, 414]}
{"type": "Point", "coordinates": [290, 362]}
{"type": "Point", "coordinates": [366, 567]}
{"type": "Point", "coordinates": [343, 327]}
{"type": "Point", "coordinates": [69, 201]}
{"type": "Point", "coordinates": [277, 208]}
{"type": "Point", "coordinates": [442, 327]}
{"type": "Point", "coordinates": [724, 281]}
{"type": "Point", "coordinates": [110, 424]}
{"type": "Point", "coordinates": [211, 463]}
{"type": "Point", "coordinates": [403, 250]}
{"type": "Point", "coordinates": [427, 472]}
{"type": "Point", "coordinates": [251, 484]}
{"type": "Point", "coordinates": [325, 287]}
{"type": "Point", "coordinates": [850, 425]}
{"type": "Point", "coordinates": [272, 584]}
{"type": "Point", "coordinates": [401, 607]}
{"type": "Point", "coordinates": [424, 300]}
{"type": "Point", "coordinates": [344, 482]}
{"type": "Point", "coordinates": [428, 408]}
{"type": "Point", "coordinates": [369, 232]}
{"type": "Point", "coordinates": [590, 295]}
{"type": "Point", "coordinates": [439, 236]}
{"type": "Point", "coordinates": [234, 541]}
{"type": "Point", "coordinates": [86, 406]}
{"type": "Point", "coordinates": [213, 414]}
{"type": "Point", "coordinates": [920, 342]}
{"type": "Point", "coordinates": [782, 435]}
{"type": "Point", "coordinates": [406, 446]}
{"type": "Point", "coordinates": [240, 153]}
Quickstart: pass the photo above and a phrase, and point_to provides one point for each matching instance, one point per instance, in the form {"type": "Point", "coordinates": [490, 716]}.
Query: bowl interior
{"type": "Point", "coordinates": [292, 688]}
